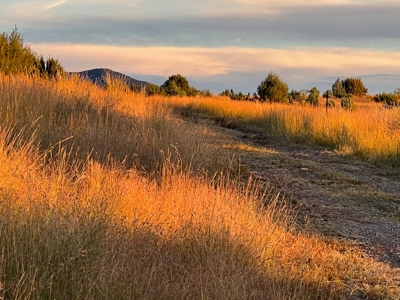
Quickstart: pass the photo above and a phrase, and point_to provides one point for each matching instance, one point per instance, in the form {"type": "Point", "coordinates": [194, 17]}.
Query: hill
{"type": "Point", "coordinates": [97, 76]}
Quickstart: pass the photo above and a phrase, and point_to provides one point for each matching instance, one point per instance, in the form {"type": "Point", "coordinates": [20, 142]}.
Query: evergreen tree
{"type": "Point", "coordinates": [313, 96]}
{"type": "Point", "coordinates": [53, 68]}
{"type": "Point", "coordinates": [355, 87]}
{"type": "Point", "coordinates": [273, 89]}
{"type": "Point", "coordinates": [42, 66]}
{"type": "Point", "coordinates": [16, 57]}
{"type": "Point", "coordinates": [177, 85]}
{"type": "Point", "coordinates": [338, 89]}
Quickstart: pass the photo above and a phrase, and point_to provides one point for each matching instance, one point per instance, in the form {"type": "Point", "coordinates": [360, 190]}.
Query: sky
{"type": "Point", "coordinates": [218, 44]}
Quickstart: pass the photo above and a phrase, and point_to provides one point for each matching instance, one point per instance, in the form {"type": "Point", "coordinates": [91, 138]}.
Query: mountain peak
{"type": "Point", "coordinates": [98, 76]}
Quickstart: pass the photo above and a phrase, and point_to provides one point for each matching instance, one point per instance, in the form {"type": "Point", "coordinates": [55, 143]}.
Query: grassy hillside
{"type": "Point", "coordinates": [105, 195]}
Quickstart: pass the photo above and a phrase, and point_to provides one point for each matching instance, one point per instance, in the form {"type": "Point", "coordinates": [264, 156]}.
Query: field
{"type": "Point", "coordinates": [106, 194]}
{"type": "Point", "coordinates": [370, 132]}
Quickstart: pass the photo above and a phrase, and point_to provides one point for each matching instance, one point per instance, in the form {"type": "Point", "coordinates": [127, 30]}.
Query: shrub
{"type": "Point", "coordinates": [205, 93]}
{"type": "Point", "coordinates": [242, 97]}
{"type": "Point", "coordinates": [273, 89]}
{"type": "Point", "coordinates": [297, 96]}
{"type": "Point", "coordinates": [389, 99]}
{"type": "Point", "coordinates": [338, 89]}
{"type": "Point", "coordinates": [313, 96]}
{"type": "Point", "coordinates": [177, 85]}
{"type": "Point", "coordinates": [192, 92]}
{"type": "Point", "coordinates": [238, 96]}
{"type": "Point", "coordinates": [152, 89]}
{"type": "Point", "coordinates": [355, 87]}
{"type": "Point", "coordinates": [347, 102]}
{"type": "Point", "coordinates": [328, 94]}
{"type": "Point", "coordinates": [225, 93]}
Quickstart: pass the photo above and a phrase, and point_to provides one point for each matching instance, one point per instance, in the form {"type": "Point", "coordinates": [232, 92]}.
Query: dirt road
{"type": "Point", "coordinates": [339, 195]}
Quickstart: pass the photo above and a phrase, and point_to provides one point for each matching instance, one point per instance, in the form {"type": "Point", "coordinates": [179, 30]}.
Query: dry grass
{"type": "Point", "coordinates": [81, 226]}
{"type": "Point", "coordinates": [369, 132]}
{"type": "Point", "coordinates": [110, 125]}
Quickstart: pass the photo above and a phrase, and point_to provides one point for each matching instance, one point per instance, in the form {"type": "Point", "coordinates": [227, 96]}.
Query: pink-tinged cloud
{"type": "Point", "coordinates": [203, 62]}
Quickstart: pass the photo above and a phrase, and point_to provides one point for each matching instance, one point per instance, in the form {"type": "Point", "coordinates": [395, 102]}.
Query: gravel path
{"type": "Point", "coordinates": [340, 196]}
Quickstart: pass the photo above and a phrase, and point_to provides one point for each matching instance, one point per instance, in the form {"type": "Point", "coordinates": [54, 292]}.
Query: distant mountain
{"type": "Point", "coordinates": [97, 76]}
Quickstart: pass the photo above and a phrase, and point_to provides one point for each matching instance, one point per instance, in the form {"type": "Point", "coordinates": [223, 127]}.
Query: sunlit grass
{"type": "Point", "coordinates": [370, 131]}
{"type": "Point", "coordinates": [77, 222]}
{"type": "Point", "coordinates": [109, 125]}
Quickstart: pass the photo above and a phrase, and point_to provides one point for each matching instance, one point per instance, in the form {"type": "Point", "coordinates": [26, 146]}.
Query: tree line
{"type": "Point", "coordinates": [273, 89]}
{"type": "Point", "coordinates": [16, 57]}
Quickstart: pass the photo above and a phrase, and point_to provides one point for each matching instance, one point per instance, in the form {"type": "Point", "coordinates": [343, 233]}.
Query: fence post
{"type": "Point", "coordinates": [327, 101]}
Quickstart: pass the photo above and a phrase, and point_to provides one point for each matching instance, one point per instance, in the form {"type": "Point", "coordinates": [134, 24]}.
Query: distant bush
{"type": "Point", "coordinates": [328, 94]}
{"type": "Point", "coordinates": [297, 97]}
{"type": "Point", "coordinates": [353, 86]}
{"type": "Point", "coordinates": [177, 85]}
{"type": "Point", "coordinates": [347, 102]}
{"type": "Point", "coordinates": [273, 89]}
{"type": "Point", "coordinates": [338, 89]}
{"type": "Point", "coordinates": [225, 93]}
{"type": "Point", "coordinates": [205, 93]}
{"type": "Point", "coordinates": [238, 96]}
{"type": "Point", "coordinates": [389, 99]}
{"type": "Point", "coordinates": [152, 89]}
{"type": "Point", "coordinates": [313, 96]}
{"type": "Point", "coordinates": [192, 92]}
{"type": "Point", "coordinates": [242, 97]}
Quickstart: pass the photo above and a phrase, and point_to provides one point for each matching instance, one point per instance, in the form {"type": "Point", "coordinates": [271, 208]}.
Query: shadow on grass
{"type": "Point", "coordinates": [49, 256]}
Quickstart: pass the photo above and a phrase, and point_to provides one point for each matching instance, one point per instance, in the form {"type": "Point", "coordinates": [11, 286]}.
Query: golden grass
{"type": "Point", "coordinates": [91, 227]}
{"type": "Point", "coordinates": [109, 125]}
{"type": "Point", "coordinates": [370, 131]}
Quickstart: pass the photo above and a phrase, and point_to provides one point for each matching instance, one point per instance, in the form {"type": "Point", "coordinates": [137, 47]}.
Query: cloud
{"type": "Point", "coordinates": [358, 26]}
{"type": "Point", "coordinates": [55, 4]}
{"type": "Point", "coordinates": [211, 61]}
{"type": "Point", "coordinates": [300, 67]}
{"type": "Point", "coordinates": [237, 39]}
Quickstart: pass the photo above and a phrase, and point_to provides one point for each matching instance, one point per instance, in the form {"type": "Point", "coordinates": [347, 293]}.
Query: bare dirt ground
{"type": "Point", "coordinates": [338, 196]}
